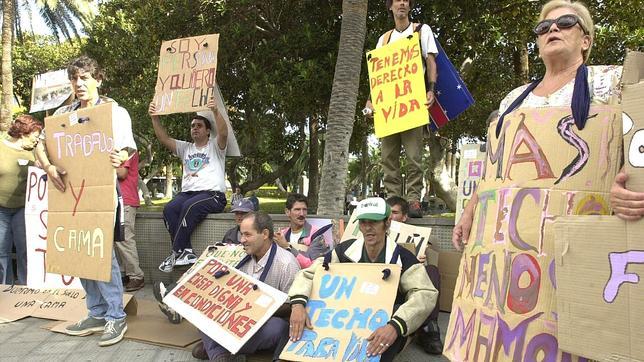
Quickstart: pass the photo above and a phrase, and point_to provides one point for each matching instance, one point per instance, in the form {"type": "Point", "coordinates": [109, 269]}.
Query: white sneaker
{"type": "Point", "coordinates": [168, 264]}
{"type": "Point", "coordinates": [186, 257]}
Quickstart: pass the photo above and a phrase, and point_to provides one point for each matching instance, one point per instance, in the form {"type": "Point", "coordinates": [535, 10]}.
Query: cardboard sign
{"type": "Point", "coordinates": [50, 90]}
{"type": "Point", "coordinates": [397, 83]}
{"type": "Point", "coordinates": [539, 168]}
{"type": "Point", "coordinates": [229, 254]}
{"type": "Point", "coordinates": [470, 172]}
{"type": "Point", "coordinates": [600, 259]}
{"type": "Point", "coordinates": [36, 234]}
{"type": "Point", "coordinates": [348, 302]}
{"type": "Point", "coordinates": [399, 232]}
{"type": "Point", "coordinates": [232, 148]}
{"type": "Point", "coordinates": [187, 69]}
{"type": "Point", "coordinates": [227, 308]}
{"type": "Point", "coordinates": [80, 225]}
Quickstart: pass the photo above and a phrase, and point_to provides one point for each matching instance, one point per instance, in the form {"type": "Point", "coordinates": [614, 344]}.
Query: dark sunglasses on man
{"type": "Point", "coordinates": [563, 22]}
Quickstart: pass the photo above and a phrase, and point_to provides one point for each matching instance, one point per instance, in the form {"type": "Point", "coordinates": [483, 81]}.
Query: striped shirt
{"type": "Point", "coordinates": [282, 272]}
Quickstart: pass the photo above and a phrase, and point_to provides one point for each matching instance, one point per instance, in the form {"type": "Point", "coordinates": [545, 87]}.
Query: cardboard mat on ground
{"type": "Point", "coordinates": [347, 303]}
{"type": "Point", "coordinates": [80, 221]}
{"type": "Point", "coordinates": [397, 84]}
{"type": "Point", "coordinates": [187, 70]}
{"type": "Point", "coordinates": [539, 167]}
{"type": "Point", "coordinates": [17, 302]}
{"type": "Point", "coordinates": [600, 259]}
{"type": "Point", "coordinates": [227, 305]}
{"type": "Point", "coordinates": [36, 236]}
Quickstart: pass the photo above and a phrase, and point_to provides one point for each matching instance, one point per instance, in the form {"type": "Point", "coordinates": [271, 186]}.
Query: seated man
{"type": "Point", "coordinates": [257, 239]}
{"type": "Point", "coordinates": [240, 208]}
{"type": "Point", "coordinates": [428, 335]}
{"type": "Point", "coordinates": [203, 184]}
{"type": "Point", "coordinates": [302, 239]}
{"type": "Point", "coordinates": [416, 295]}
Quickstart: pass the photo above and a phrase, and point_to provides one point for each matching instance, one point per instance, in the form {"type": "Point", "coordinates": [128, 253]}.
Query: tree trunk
{"type": "Point", "coordinates": [521, 63]}
{"type": "Point", "coordinates": [342, 106]}
{"type": "Point", "coordinates": [440, 180]}
{"type": "Point", "coordinates": [169, 180]}
{"type": "Point", "coordinates": [7, 75]}
{"type": "Point", "coordinates": [314, 165]}
{"type": "Point", "coordinates": [147, 197]}
{"type": "Point", "coordinates": [363, 166]}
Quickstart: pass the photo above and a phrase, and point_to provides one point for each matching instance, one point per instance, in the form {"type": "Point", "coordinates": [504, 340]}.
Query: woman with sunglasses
{"type": "Point", "coordinates": [565, 35]}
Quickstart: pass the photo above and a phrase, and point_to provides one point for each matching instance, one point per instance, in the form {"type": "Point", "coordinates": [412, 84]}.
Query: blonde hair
{"type": "Point", "coordinates": [582, 11]}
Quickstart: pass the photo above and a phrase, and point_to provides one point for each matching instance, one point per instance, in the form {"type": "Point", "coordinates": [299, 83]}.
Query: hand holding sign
{"type": "Point", "coordinates": [299, 320]}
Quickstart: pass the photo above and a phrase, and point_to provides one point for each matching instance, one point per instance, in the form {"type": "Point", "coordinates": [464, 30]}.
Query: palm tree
{"type": "Point", "coordinates": [59, 15]}
{"type": "Point", "coordinates": [342, 107]}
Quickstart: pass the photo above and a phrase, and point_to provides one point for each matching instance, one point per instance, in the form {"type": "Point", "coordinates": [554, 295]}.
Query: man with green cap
{"type": "Point", "coordinates": [416, 295]}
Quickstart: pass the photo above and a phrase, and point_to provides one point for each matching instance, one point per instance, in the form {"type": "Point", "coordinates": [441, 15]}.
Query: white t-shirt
{"type": "Point", "coordinates": [603, 81]}
{"type": "Point", "coordinates": [427, 41]}
{"type": "Point", "coordinates": [203, 167]}
{"type": "Point", "coordinates": [295, 237]}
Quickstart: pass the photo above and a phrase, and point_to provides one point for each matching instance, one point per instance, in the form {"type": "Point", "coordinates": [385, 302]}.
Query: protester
{"type": "Point", "coordinates": [236, 196]}
{"type": "Point", "coordinates": [240, 208]}
{"type": "Point", "coordinates": [126, 251]}
{"type": "Point", "coordinates": [104, 299]}
{"type": "Point", "coordinates": [302, 239]}
{"type": "Point", "coordinates": [565, 34]}
{"type": "Point", "coordinates": [428, 335]}
{"type": "Point", "coordinates": [203, 184]}
{"type": "Point", "coordinates": [270, 264]}
{"type": "Point", "coordinates": [416, 295]}
{"type": "Point", "coordinates": [411, 140]}
{"type": "Point", "coordinates": [17, 156]}
{"type": "Point", "coordinates": [253, 198]}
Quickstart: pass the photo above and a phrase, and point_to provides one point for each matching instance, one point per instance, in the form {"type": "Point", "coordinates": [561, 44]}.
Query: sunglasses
{"type": "Point", "coordinates": [563, 22]}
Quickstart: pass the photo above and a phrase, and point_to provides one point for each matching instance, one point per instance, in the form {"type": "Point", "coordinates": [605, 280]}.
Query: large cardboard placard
{"type": "Point", "coordinates": [227, 308]}
{"type": "Point", "coordinates": [80, 225]}
{"type": "Point", "coordinates": [50, 90]}
{"type": "Point", "coordinates": [36, 233]}
{"type": "Point", "coordinates": [470, 171]}
{"type": "Point", "coordinates": [347, 303]}
{"type": "Point", "coordinates": [397, 83]}
{"type": "Point", "coordinates": [187, 69]}
{"type": "Point", "coordinates": [539, 168]}
{"type": "Point", "coordinates": [230, 254]}
{"type": "Point", "coordinates": [600, 259]}
{"type": "Point", "coordinates": [401, 233]}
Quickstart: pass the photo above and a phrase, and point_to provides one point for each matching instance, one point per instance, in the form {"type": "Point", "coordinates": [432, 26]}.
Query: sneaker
{"type": "Point", "coordinates": [159, 291]}
{"type": "Point", "coordinates": [134, 284]}
{"type": "Point", "coordinates": [186, 257]}
{"type": "Point", "coordinates": [113, 332]}
{"type": "Point", "coordinates": [168, 264]}
{"type": "Point", "coordinates": [86, 326]}
{"type": "Point", "coordinates": [414, 210]}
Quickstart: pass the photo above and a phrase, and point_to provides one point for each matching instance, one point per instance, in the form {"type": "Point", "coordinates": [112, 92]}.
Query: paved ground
{"type": "Point", "coordinates": [25, 340]}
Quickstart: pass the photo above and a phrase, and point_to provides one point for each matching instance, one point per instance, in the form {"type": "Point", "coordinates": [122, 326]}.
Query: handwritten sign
{"type": "Point", "coordinates": [50, 90]}
{"type": "Point", "coordinates": [348, 302]}
{"type": "Point", "coordinates": [229, 309]}
{"type": "Point", "coordinates": [36, 233]}
{"type": "Point", "coordinates": [228, 254]}
{"type": "Point", "coordinates": [397, 83]}
{"type": "Point", "coordinates": [187, 69]}
{"type": "Point", "coordinates": [539, 168]}
{"type": "Point", "coordinates": [470, 172]}
{"type": "Point", "coordinates": [80, 225]}
{"type": "Point", "coordinates": [18, 302]}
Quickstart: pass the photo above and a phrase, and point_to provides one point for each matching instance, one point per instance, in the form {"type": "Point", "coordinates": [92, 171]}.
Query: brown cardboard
{"type": "Point", "coordinates": [599, 259]}
{"type": "Point", "coordinates": [152, 326]}
{"type": "Point", "coordinates": [470, 171]}
{"type": "Point", "coordinates": [342, 292]}
{"type": "Point", "coordinates": [80, 224]}
{"type": "Point", "coordinates": [449, 262]}
{"type": "Point", "coordinates": [187, 70]}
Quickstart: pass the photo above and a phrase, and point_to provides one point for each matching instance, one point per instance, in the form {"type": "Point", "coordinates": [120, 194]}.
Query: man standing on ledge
{"type": "Point", "coordinates": [203, 184]}
{"type": "Point", "coordinates": [411, 140]}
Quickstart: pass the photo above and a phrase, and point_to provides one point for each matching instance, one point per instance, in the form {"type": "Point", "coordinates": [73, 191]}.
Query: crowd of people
{"type": "Point", "coordinates": [288, 259]}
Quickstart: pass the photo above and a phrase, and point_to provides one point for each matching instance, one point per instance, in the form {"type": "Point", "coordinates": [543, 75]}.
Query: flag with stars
{"type": "Point", "coordinates": [452, 96]}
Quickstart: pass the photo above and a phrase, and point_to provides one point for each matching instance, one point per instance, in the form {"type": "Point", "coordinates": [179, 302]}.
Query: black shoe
{"type": "Point", "coordinates": [160, 291]}
{"type": "Point", "coordinates": [429, 338]}
{"type": "Point", "coordinates": [199, 352]}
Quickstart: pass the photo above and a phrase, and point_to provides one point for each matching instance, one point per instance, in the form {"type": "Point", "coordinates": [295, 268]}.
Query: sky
{"type": "Point", "coordinates": [38, 24]}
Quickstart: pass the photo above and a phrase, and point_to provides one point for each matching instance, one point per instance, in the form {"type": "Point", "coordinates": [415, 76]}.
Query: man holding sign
{"type": "Point", "coordinates": [411, 139]}
{"type": "Point", "coordinates": [203, 184]}
{"type": "Point", "coordinates": [270, 264]}
{"type": "Point", "coordinates": [416, 295]}
{"type": "Point", "coordinates": [104, 299]}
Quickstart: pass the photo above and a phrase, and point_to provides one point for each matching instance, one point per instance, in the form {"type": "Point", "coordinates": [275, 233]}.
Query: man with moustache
{"type": "Point", "coordinates": [270, 264]}
{"type": "Point", "coordinates": [304, 240]}
{"type": "Point", "coordinates": [416, 295]}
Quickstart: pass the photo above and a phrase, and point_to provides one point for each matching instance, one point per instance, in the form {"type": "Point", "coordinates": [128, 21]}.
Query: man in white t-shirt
{"type": "Point", "coordinates": [203, 184]}
{"type": "Point", "coordinates": [411, 140]}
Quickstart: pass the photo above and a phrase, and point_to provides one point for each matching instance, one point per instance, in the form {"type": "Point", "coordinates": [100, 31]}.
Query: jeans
{"type": "Point", "coordinates": [105, 299]}
{"type": "Point", "coordinates": [12, 232]}
{"type": "Point", "coordinates": [267, 338]}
